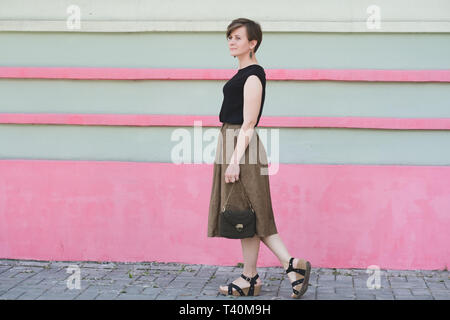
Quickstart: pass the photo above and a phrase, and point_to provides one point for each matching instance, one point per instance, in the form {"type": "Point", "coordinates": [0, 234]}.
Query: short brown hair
{"type": "Point", "coordinates": [253, 29]}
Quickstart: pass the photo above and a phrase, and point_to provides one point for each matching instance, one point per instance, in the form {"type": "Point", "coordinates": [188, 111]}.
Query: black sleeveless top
{"type": "Point", "coordinates": [232, 110]}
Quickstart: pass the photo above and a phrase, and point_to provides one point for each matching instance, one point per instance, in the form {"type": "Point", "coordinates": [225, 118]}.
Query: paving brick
{"type": "Point", "coordinates": [133, 289]}
{"type": "Point", "coordinates": [444, 297]}
{"type": "Point", "coordinates": [204, 274]}
{"type": "Point", "coordinates": [397, 279]}
{"type": "Point", "coordinates": [151, 291]}
{"type": "Point", "coordinates": [8, 262]}
{"type": "Point", "coordinates": [440, 294]}
{"type": "Point", "coordinates": [345, 291]}
{"type": "Point", "coordinates": [165, 267]}
{"type": "Point", "coordinates": [12, 294]}
{"type": "Point", "coordinates": [322, 271]}
{"type": "Point", "coordinates": [31, 294]}
{"type": "Point", "coordinates": [365, 297]}
{"type": "Point", "coordinates": [133, 297]}
{"type": "Point", "coordinates": [361, 283]}
{"type": "Point", "coordinates": [385, 298]}
{"type": "Point", "coordinates": [107, 295]}
{"type": "Point", "coordinates": [326, 277]}
{"type": "Point", "coordinates": [406, 297]}
{"type": "Point", "coordinates": [163, 296]}
{"type": "Point", "coordinates": [51, 274]}
{"type": "Point", "coordinates": [4, 268]}
{"type": "Point", "coordinates": [401, 291]}
{"type": "Point", "coordinates": [436, 286]}
{"type": "Point", "coordinates": [63, 265]}
{"type": "Point", "coordinates": [89, 294]}
{"type": "Point", "coordinates": [420, 291]}
{"type": "Point", "coordinates": [31, 281]}
{"type": "Point", "coordinates": [326, 296]}
{"type": "Point", "coordinates": [345, 297]}
{"type": "Point", "coordinates": [408, 285]}
{"type": "Point", "coordinates": [95, 265]}
{"type": "Point", "coordinates": [209, 292]}
{"type": "Point", "coordinates": [423, 297]}
{"type": "Point", "coordinates": [185, 296]}
{"type": "Point", "coordinates": [55, 297]}
{"type": "Point", "coordinates": [5, 286]}
{"type": "Point", "coordinates": [178, 283]}
{"type": "Point", "coordinates": [322, 290]}
{"type": "Point", "coordinates": [343, 278]}
{"type": "Point", "coordinates": [195, 285]}
{"type": "Point", "coordinates": [93, 273]}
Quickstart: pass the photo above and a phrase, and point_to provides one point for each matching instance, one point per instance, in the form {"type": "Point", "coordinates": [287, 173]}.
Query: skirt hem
{"type": "Point", "coordinates": [261, 236]}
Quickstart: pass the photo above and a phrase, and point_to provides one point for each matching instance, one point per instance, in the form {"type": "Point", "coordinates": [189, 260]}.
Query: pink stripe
{"type": "Point", "coordinates": [340, 216]}
{"type": "Point", "coordinates": [361, 75]}
{"type": "Point", "coordinates": [224, 74]}
{"type": "Point", "coordinates": [183, 120]}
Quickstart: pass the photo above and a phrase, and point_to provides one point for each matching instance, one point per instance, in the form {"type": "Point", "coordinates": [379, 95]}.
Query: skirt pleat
{"type": "Point", "coordinates": [253, 176]}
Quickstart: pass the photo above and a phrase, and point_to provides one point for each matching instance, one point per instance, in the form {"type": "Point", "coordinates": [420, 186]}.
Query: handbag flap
{"type": "Point", "coordinates": [239, 216]}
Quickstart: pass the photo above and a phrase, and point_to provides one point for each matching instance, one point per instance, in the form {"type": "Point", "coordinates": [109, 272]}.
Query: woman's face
{"type": "Point", "coordinates": [238, 42]}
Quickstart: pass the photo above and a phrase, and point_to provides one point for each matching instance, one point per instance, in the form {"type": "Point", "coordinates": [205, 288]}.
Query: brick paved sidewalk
{"type": "Point", "coordinates": [29, 280]}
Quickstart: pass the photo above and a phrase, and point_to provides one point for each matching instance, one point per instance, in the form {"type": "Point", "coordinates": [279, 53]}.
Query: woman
{"type": "Point", "coordinates": [241, 110]}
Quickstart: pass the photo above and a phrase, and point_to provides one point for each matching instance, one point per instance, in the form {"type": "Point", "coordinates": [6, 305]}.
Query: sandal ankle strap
{"type": "Point", "coordinates": [291, 268]}
{"type": "Point", "coordinates": [251, 280]}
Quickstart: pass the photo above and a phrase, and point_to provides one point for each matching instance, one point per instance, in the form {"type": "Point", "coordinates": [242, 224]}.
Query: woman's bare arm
{"type": "Point", "coordinates": [252, 104]}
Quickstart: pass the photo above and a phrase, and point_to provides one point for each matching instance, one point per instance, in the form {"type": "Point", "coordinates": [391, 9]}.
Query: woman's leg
{"type": "Point", "coordinates": [250, 251]}
{"type": "Point", "coordinates": [276, 245]}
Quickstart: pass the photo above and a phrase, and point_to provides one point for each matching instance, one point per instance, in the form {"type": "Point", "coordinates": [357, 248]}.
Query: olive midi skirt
{"type": "Point", "coordinates": [253, 176]}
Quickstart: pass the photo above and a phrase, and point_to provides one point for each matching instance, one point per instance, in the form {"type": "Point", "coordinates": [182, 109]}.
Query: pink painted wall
{"type": "Point", "coordinates": [341, 216]}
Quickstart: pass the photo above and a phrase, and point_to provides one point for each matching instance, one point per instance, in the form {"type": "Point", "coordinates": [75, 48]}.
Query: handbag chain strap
{"type": "Point", "coordinates": [245, 193]}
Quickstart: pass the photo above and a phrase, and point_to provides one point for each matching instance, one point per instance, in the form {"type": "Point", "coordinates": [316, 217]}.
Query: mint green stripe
{"type": "Point", "coordinates": [209, 50]}
{"type": "Point", "coordinates": [153, 144]}
{"type": "Point", "coordinates": [283, 98]}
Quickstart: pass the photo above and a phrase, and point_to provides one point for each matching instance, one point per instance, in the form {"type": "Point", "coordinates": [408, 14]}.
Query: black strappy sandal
{"type": "Point", "coordinates": [253, 290]}
{"type": "Point", "coordinates": [304, 281]}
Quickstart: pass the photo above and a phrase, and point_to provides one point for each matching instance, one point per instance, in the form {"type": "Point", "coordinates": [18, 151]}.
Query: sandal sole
{"type": "Point", "coordinates": [256, 292]}
{"type": "Point", "coordinates": [305, 281]}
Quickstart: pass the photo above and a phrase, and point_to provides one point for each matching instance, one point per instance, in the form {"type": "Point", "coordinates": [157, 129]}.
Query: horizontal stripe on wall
{"type": "Point", "coordinates": [212, 121]}
{"type": "Point", "coordinates": [214, 26]}
{"type": "Point", "coordinates": [204, 98]}
{"type": "Point", "coordinates": [205, 16]}
{"type": "Point", "coordinates": [284, 145]}
{"type": "Point", "coordinates": [222, 74]}
{"type": "Point", "coordinates": [337, 216]}
{"type": "Point", "coordinates": [298, 50]}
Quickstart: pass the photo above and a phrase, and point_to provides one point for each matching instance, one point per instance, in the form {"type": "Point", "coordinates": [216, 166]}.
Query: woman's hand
{"type": "Point", "coordinates": [232, 173]}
